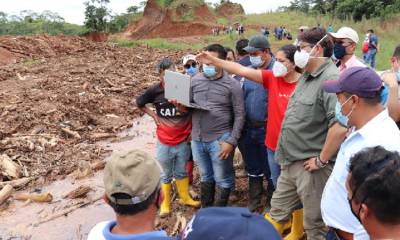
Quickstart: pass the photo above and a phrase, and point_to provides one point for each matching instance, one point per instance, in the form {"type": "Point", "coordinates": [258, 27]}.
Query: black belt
{"type": "Point", "coordinates": [254, 124]}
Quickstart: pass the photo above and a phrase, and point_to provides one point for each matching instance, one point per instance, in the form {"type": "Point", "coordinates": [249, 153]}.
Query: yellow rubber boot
{"type": "Point", "coordinates": [165, 208]}
{"type": "Point", "coordinates": [297, 230]}
{"type": "Point", "coordinates": [280, 227]}
{"type": "Point", "coordinates": [182, 186]}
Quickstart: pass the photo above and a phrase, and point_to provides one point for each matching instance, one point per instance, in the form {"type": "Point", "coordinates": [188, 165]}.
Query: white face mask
{"type": "Point", "coordinates": [302, 58]}
{"type": "Point", "coordinates": [279, 69]}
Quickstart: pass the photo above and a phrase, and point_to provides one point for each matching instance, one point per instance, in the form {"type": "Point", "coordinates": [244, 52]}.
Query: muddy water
{"type": "Point", "coordinates": [21, 220]}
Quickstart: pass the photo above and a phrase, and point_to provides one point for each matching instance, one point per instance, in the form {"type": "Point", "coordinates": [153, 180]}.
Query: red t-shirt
{"type": "Point", "coordinates": [279, 93]}
{"type": "Point", "coordinates": [175, 127]}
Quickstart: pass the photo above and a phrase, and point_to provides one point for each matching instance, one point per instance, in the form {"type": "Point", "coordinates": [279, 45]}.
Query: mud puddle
{"type": "Point", "coordinates": [46, 221]}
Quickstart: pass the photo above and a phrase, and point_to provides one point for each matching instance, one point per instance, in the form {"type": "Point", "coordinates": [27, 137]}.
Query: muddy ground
{"type": "Point", "coordinates": [60, 99]}
{"type": "Point", "coordinates": [65, 105]}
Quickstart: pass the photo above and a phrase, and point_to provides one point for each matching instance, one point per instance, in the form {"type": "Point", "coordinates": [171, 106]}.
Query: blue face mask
{"type": "Point", "coordinates": [385, 95]}
{"type": "Point", "coordinates": [256, 61]}
{"type": "Point", "coordinates": [192, 71]}
{"type": "Point", "coordinates": [344, 120]}
{"type": "Point", "coordinates": [209, 71]}
{"type": "Point", "coordinates": [339, 51]}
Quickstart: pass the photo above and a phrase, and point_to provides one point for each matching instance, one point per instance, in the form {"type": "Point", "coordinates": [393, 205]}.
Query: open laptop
{"type": "Point", "coordinates": [177, 87]}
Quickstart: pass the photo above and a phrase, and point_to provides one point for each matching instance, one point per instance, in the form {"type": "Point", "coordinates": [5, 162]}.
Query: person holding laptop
{"type": "Point", "coordinates": [215, 131]}
{"type": "Point", "coordinates": [173, 133]}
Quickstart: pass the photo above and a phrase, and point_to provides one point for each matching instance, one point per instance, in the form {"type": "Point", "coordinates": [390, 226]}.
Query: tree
{"type": "Point", "coordinates": [133, 9]}
{"type": "Point", "coordinates": [96, 14]}
{"type": "Point", "coordinates": [348, 9]}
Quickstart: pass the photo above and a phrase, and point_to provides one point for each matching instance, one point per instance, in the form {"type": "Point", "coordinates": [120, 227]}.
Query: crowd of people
{"type": "Point", "coordinates": [310, 120]}
{"type": "Point", "coordinates": [238, 28]}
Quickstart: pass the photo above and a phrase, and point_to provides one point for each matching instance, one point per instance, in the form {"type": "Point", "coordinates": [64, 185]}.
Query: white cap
{"type": "Point", "coordinates": [303, 28]}
{"type": "Point", "coordinates": [188, 57]}
{"type": "Point", "coordinates": [346, 32]}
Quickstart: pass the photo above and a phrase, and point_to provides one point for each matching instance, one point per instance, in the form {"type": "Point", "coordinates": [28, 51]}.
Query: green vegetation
{"type": "Point", "coordinates": [356, 10]}
{"type": "Point", "coordinates": [164, 3]}
{"type": "Point", "coordinates": [29, 23]}
{"type": "Point", "coordinates": [155, 43]}
{"type": "Point", "coordinates": [222, 21]}
{"type": "Point", "coordinates": [388, 31]}
{"type": "Point", "coordinates": [97, 15]}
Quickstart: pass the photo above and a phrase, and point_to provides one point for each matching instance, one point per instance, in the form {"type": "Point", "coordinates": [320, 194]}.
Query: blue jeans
{"type": "Point", "coordinates": [371, 57]}
{"type": "Point", "coordinates": [254, 152]}
{"type": "Point", "coordinates": [173, 160]}
{"type": "Point", "coordinates": [331, 235]}
{"type": "Point", "coordinates": [274, 166]}
{"type": "Point", "coordinates": [212, 167]}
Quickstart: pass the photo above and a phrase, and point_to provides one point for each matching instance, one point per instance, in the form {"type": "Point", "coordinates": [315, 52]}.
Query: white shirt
{"type": "Point", "coordinates": [335, 208]}
{"type": "Point", "coordinates": [102, 231]}
{"type": "Point", "coordinates": [97, 231]}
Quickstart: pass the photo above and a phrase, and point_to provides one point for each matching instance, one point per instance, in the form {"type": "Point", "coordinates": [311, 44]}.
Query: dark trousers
{"type": "Point", "coordinates": [254, 152]}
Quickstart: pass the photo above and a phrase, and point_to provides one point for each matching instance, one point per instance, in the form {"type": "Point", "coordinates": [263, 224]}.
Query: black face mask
{"type": "Point", "coordinates": [339, 51]}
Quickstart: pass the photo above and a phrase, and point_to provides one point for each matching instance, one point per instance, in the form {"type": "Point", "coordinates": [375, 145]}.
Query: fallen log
{"type": "Point", "coordinates": [79, 192]}
{"type": "Point", "coordinates": [98, 136]}
{"type": "Point", "coordinates": [5, 193]}
{"type": "Point", "coordinates": [99, 165]}
{"type": "Point", "coordinates": [9, 168]}
{"type": "Point", "coordinates": [71, 133]}
{"type": "Point", "coordinates": [17, 183]}
{"type": "Point", "coordinates": [35, 197]}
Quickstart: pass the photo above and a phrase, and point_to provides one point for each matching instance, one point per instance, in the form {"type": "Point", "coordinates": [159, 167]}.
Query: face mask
{"type": "Point", "coordinates": [384, 95]}
{"type": "Point", "coordinates": [302, 58]}
{"type": "Point", "coordinates": [344, 120]}
{"type": "Point", "coordinates": [279, 69]}
{"type": "Point", "coordinates": [339, 51]}
{"type": "Point", "coordinates": [256, 61]}
{"type": "Point", "coordinates": [209, 71]}
{"type": "Point", "coordinates": [192, 71]}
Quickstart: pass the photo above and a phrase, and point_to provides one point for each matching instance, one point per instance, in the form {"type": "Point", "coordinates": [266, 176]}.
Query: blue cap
{"type": "Point", "coordinates": [228, 223]}
{"type": "Point", "coordinates": [361, 81]}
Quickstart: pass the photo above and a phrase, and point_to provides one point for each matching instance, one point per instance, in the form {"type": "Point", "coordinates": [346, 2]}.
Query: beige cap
{"type": "Point", "coordinates": [188, 57]}
{"type": "Point", "coordinates": [346, 33]}
{"type": "Point", "coordinates": [303, 27]}
{"type": "Point", "coordinates": [134, 173]}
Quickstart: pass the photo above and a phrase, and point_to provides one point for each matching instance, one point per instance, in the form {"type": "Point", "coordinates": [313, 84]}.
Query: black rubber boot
{"type": "Point", "coordinates": [222, 196]}
{"type": "Point", "coordinates": [207, 191]}
{"type": "Point", "coordinates": [255, 192]}
{"type": "Point", "coordinates": [270, 192]}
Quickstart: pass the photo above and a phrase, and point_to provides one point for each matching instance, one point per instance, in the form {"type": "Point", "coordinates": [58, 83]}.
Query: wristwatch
{"type": "Point", "coordinates": [319, 163]}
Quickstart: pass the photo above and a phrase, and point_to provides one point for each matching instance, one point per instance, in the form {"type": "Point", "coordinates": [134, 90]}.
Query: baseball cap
{"type": "Point", "coordinates": [257, 43]}
{"type": "Point", "coordinates": [346, 32]}
{"type": "Point", "coordinates": [134, 173]}
{"type": "Point", "coordinates": [228, 223]}
{"type": "Point", "coordinates": [303, 27]}
{"type": "Point", "coordinates": [361, 81]}
{"type": "Point", "coordinates": [188, 57]}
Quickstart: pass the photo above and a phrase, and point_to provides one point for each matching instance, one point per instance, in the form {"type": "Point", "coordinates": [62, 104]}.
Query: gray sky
{"type": "Point", "coordinates": [73, 10]}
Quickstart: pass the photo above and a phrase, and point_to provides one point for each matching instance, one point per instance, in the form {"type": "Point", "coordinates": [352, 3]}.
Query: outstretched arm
{"type": "Point", "coordinates": [232, 67]}
{"type": "Point", "coordinates": [390, 80]}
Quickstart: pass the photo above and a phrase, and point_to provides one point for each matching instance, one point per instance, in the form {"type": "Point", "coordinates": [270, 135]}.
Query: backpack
{"type": "Point", "coordinates": [365, 47]}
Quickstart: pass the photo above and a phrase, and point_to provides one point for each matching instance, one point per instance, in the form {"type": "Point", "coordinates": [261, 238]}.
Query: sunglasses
{"type": "Point", "coordinates": [187, 66]}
